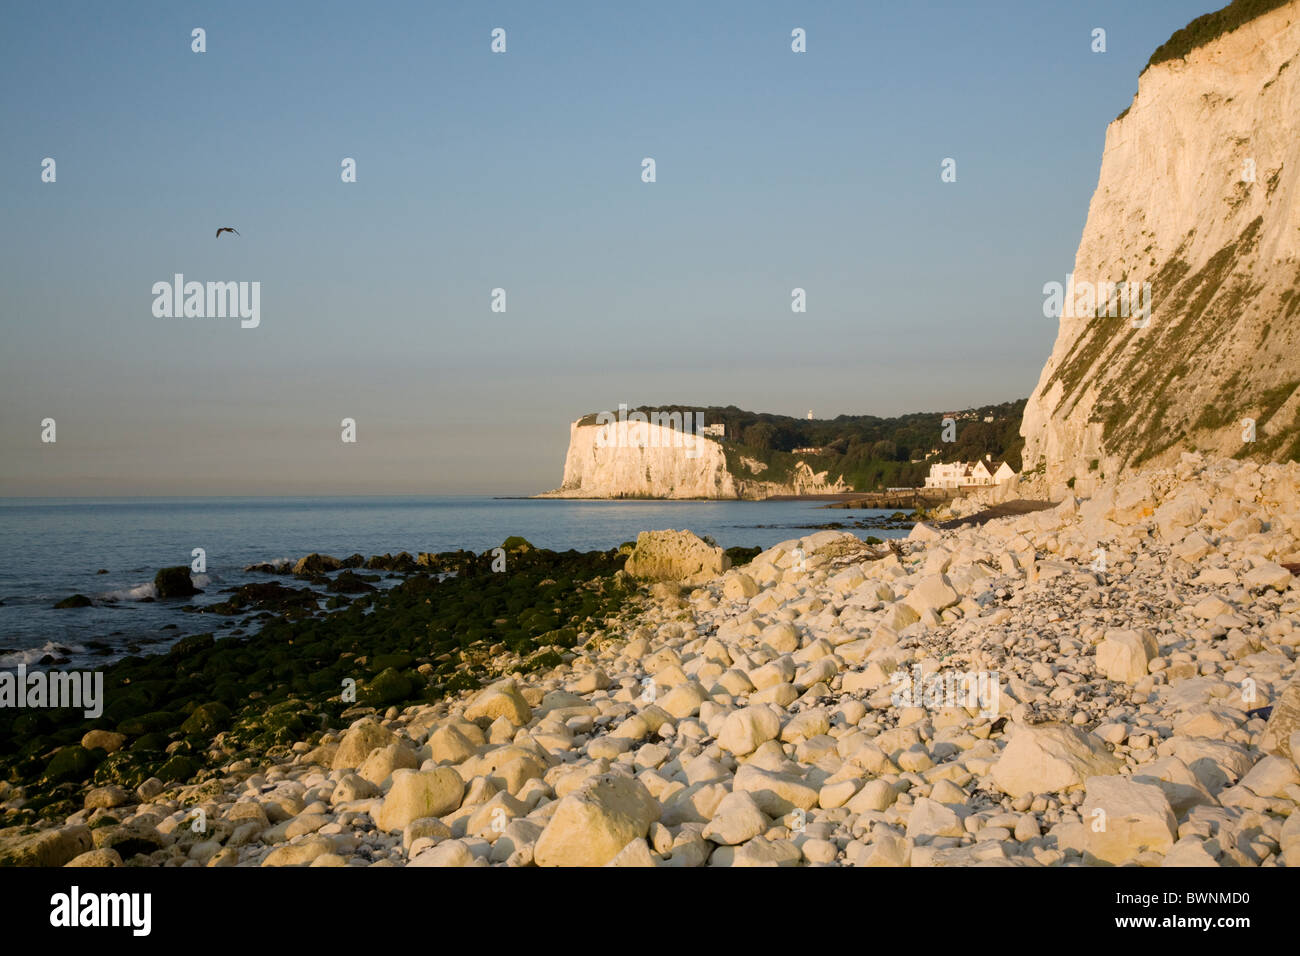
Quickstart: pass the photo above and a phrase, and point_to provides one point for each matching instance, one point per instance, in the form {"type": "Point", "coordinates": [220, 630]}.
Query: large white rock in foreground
{"type": "Point", "coordinates": [675, 556]}
{"type": "Point", "coordinates": [591, 826]}
{"type": "Point", "coordinates": [1049, 758]}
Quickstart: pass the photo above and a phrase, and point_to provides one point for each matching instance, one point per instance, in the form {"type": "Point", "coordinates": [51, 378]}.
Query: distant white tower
{"type": "Point", "coordinates": [810, 418]}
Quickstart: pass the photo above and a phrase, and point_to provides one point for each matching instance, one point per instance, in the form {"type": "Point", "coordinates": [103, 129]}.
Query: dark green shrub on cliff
{"type": "Point", "coordinates": [1205, 29]}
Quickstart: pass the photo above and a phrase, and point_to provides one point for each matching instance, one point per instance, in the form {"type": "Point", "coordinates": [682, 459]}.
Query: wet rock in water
{"type": "Point", "coordinates": [348, 583]}
{"type": "Point", "coordinates": [271, 567]}
{"type": "Point", "coordinates": [76, 600]}
{"type": "Point", "coordinates": [317, 564]}
{"type": "Point", "coordinates": [403, 562]}
{"type": "Point", "coordinates": [267, 596]}
{"type": "Point", "coordinates": [102, 571]}
{"type": "Point", "coordinates": [174, 583]}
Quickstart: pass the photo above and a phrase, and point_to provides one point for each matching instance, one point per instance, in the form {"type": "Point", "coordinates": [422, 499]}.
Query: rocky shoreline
{"type": "Point", "coordinates": [1109, 681]}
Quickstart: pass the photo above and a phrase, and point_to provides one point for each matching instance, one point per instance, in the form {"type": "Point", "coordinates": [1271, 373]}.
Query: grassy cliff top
{"type": "Point", "coordinates": [1211, 26]}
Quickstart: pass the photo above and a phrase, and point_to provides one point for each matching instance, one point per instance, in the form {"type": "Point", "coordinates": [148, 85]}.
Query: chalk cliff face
{"type": "Point", "coordinates": [643, 460]}
{"type": "Point", "coordinates": [1199, 195]}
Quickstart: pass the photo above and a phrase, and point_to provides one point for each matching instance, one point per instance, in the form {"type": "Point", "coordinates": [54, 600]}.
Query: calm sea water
{"type": "Point", "coordinates": [51, 548]}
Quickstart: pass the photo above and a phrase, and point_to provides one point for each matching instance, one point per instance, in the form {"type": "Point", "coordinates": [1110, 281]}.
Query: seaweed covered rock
{"type": "Point", "coordinates": [73, 762]}
{"type": "Point", "coordinates": [348, 583]}
{"type": "Point", "coordinates": [268, 596]}
{"type": "Point", "coordinates": [402, 562]}
{"type": "Point", "coordinates": [179, 768]}
{"type": "Point", "coordinates": [387, 687]}
{"type": "Point", "coordinates": [207, 719]}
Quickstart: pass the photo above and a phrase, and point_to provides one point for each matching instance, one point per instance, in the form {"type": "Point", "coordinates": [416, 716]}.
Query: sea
{"type": "Point", "coordinates": [52, 548]}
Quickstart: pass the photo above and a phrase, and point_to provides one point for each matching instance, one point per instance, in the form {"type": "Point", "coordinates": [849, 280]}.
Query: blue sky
{"type": "Point", "coordinates": [522, 171]}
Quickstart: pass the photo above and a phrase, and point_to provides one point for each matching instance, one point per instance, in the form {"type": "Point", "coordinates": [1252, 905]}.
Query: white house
{"type": "Point", "coordinates": [947, 475]}
{"type": "Point", "coordinates": [960, 474]}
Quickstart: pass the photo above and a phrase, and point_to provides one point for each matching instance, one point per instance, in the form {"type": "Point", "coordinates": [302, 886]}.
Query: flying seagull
{"type": "Point", "coordinates": [225, 229]}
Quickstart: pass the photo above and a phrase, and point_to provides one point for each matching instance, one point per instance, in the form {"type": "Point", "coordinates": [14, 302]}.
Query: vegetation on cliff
{"type": "Point", "coordinates": [1210, 27]}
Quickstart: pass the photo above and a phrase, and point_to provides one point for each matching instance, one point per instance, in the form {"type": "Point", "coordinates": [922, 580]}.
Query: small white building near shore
{"type": "Point", "coordinates": [952, 476]}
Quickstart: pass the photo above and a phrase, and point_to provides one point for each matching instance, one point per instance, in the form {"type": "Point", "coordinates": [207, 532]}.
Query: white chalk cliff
{"type": "Point", "coordinates": [1199, 194]}
{"type": "Point", "coordinates": [644, 460]}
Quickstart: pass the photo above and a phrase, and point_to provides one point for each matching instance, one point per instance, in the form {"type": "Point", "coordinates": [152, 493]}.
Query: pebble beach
{"type": "Point", "coordinates": [1110, 681]}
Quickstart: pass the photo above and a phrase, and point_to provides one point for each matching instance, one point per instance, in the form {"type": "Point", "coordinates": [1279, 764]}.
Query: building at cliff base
{"type": "Point", "coordinates": [954, 476]}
